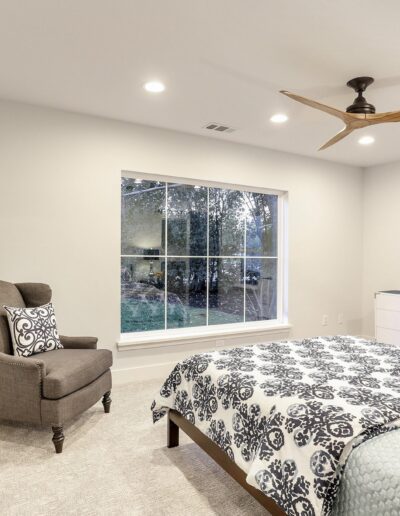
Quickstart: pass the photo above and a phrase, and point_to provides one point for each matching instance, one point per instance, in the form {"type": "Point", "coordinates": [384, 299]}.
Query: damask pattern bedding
{"type": "Point", "coordinates": [289, 413]}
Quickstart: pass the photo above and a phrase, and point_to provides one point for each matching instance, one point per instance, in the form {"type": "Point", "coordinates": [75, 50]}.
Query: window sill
{"type": "Point", "coordinates": [181, 337]}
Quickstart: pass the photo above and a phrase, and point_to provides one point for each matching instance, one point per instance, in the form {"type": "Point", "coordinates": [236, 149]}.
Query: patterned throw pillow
{"type": "Point", "coordinates": [33, 330]}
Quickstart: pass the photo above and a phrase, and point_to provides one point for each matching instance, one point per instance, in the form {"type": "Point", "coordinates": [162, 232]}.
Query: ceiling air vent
{"type": "Point", "coordinates": [220, 128]}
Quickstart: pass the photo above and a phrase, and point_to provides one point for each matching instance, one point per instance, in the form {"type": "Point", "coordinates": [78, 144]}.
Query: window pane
{"type": "Point", "coordinates": [187, 292]}
{"type": "Point", "coordinates": [187, 220]}
{"type": "Point", "coordinates": [261, 289]}
{"type": "Point", "coordinates": [262, 222]}
{"type": "Point", "coordinates": [143, 216]}
{"type": "Point", "coordinates": [142, 294]}
{"type": "Point", "coordinates": [240, 278]}
{"type": "Point", "coordinates": [226, 295]}
{"type": "Point", "coordinates": [226, 213]}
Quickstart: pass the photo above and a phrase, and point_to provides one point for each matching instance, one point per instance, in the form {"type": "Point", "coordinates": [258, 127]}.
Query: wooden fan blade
{"type": "Point", "coordinates": [339, 136]}
{"type": "Point", "coordinates": [346, 117]}
{"type": "Point", "coordinates": [382, 118]}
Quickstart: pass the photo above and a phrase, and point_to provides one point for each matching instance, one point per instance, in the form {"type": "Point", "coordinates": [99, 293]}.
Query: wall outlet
{"type": "Point", "coordinates": [325, 320]}
{"type": "Point", "coordinates": [340, 318]}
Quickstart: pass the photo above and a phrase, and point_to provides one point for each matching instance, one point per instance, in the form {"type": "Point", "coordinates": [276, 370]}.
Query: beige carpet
{"type": "Point", "coordinates": [114, 463]}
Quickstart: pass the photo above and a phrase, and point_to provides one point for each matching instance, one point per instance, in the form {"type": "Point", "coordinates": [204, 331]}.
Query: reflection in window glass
{"type": "Point", "coordinates": [187, 292]}
{"type": "Point", "coordinates": [261, 224]}
{"type": "Point", "coordinates": [261, 289]}
{"type": "Point", "coordinates": [142, 294]}
{"type": "Point", "coordinates": [187, 220]}
{"type": "Point", "coordinates": [142, 217]}
{"type": "Point", "coordinates": [227, 215]}
{"type": "Point", "coordinates": [194, 255]}
{"type": "Point", "coordinates": [226, 296]}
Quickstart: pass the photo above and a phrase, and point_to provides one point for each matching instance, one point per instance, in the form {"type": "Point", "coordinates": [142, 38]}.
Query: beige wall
{"type": "Point", "coordinates": [60, 216]}
{"type": "Point", "coordinates": [381, 270]}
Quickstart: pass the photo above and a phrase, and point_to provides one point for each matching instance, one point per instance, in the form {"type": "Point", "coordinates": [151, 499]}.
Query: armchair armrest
{"type": "Point", "coordinates": [78, 342]}
{"type": "Point", "coordinates": [21, 388]}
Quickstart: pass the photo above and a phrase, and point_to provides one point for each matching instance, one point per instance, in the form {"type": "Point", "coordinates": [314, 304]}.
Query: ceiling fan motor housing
{"type": "Point", "coordinates": [360, 105]}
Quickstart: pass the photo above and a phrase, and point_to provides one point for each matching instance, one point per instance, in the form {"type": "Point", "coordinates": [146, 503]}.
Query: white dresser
{"type": "Point", "coordinates": [387, 316]}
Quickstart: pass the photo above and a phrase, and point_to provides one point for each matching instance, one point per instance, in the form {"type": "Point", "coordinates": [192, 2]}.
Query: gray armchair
{"type": "Point", "coordinates": [52, 387]}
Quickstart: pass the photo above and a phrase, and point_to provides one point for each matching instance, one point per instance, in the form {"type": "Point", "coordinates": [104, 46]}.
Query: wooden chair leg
{"type": "Point", "coordinates": [107, 402]}
{"type": "Point", "coordinates": [58, 438]}
{"type": "Point", "coordinates": [172, 434]}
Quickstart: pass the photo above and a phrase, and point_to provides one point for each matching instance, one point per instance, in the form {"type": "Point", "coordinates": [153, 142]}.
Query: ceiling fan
{"type": "Point", "coordinates": [359, 114]}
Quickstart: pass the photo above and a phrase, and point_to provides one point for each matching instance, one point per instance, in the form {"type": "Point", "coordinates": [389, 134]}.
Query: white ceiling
{"type": "Point", "coordinates": [221, 60]}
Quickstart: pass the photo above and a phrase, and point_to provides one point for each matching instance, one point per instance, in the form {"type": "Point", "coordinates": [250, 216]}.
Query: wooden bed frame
{"type": "Point", "coordinates": [177, 421]}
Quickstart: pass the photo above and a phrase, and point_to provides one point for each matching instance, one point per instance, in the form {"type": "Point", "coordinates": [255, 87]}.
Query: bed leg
{"type": "Point", "coordinates": [172, 434]}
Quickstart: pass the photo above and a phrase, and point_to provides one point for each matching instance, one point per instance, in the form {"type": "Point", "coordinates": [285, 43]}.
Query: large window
{"type": "Point", "coordinates": [195, 255]}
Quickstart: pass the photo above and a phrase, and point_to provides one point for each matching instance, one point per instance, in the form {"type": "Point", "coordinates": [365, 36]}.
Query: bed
{"type": "Point", "coordinates": [286, 419]}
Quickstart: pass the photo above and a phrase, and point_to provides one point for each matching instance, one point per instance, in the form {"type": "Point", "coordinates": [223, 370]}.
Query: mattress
{"type": "Point", "coordinates": [290, 414]}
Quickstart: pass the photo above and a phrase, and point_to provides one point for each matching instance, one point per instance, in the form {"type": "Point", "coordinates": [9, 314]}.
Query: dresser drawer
{"type": "Point", "coordinates": [387, 319]}
{"type": "Point", "coordinates": [387, 302]}
{"type": "Point", "coordinates": [387, 336]}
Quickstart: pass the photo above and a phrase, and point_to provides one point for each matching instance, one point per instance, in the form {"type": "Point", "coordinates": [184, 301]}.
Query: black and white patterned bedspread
{"type": "Point", "coordinates": [289, 413]}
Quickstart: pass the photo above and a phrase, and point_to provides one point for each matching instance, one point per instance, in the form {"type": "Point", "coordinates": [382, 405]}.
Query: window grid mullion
{"type": "Point", "coordinates": [208, 257]}
{"type": "Point", "coordinates": [166, 260]}
{"type": "Point", "coordinates": [244, 268]}
{"type": "Point", "coordinates": [238, 256]}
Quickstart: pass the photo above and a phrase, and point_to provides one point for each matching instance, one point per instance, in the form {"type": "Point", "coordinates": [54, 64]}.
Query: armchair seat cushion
{"type": "Point", "coordinates": [68, 370]}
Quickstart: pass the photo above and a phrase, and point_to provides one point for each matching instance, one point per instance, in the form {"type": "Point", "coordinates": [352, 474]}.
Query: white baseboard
{"type": "Point", "coordinates": [142, 373]}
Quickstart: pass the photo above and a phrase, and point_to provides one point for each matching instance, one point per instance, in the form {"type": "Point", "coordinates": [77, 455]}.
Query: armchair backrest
{"type": "Point", "coordinates": [21, 295]}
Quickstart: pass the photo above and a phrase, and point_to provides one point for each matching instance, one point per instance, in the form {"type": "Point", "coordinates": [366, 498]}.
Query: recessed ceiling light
{"type": "Point", "coordinates": [154, 86]}
{"type": "Point", "coordinates": [138, 181]}
{"type": "Point", "coordinates": [279, 118]}
{"type": "Point", "coordinates": [366, 140]}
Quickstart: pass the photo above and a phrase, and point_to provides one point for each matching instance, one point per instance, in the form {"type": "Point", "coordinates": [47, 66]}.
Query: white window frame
{"type": "Point", "coordinates": [180, 336]}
